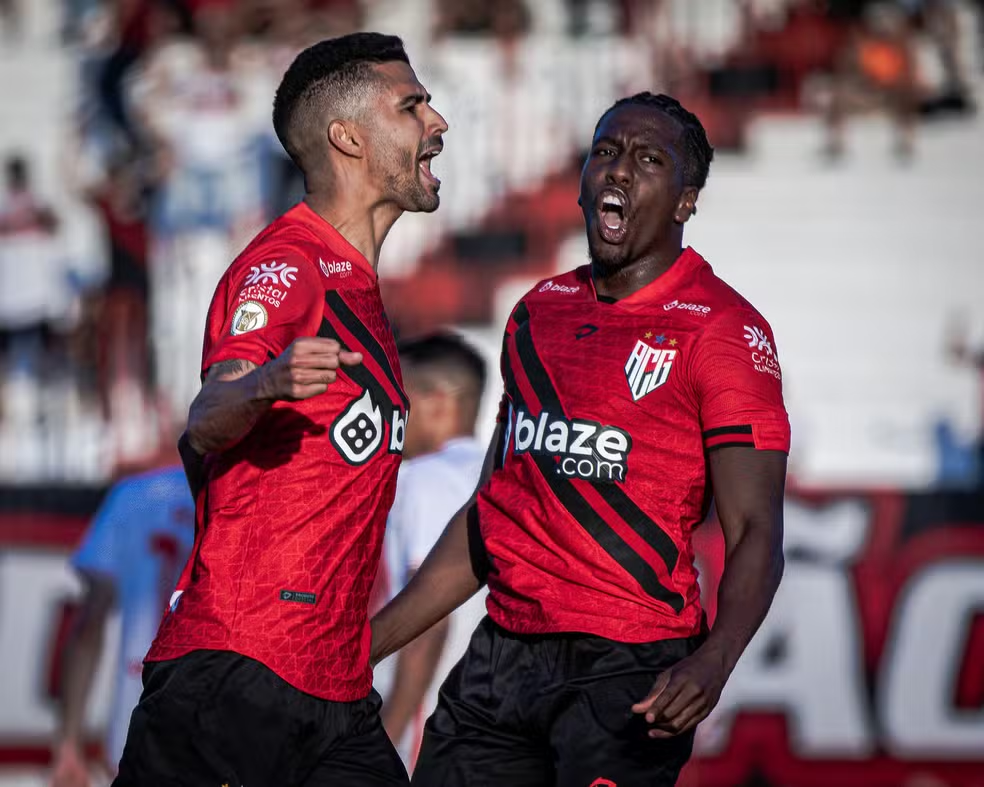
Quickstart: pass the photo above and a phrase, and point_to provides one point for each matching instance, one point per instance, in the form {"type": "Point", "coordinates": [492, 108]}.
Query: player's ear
{"type": "Point", "coordinates": [345, 137]}
{"type": "Point", "coordinates": [687, 205]}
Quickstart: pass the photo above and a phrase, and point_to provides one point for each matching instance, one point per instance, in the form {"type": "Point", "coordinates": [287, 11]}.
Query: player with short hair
{"type": "Point", "coordinates": [635, 388]}
{"type": "Point", "coordinates": [444, 378]}
{"type": "Point", "coordinates": [260, 671]}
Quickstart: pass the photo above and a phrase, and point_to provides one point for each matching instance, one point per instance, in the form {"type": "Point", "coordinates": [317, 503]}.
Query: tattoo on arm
{"type": "Point", "coordinates": [230, 370]}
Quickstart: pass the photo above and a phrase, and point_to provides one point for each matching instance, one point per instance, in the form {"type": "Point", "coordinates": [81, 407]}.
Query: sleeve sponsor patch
{"type": "Point", "coordinates": [249, 316]}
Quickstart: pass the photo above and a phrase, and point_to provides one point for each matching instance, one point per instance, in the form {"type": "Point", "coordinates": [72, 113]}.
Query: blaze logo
{"type": "Point", "coordinates": [272, 273]}
{"type": "Point", "coordinates": [602, 783]}
{"type": "Point", "coordinates": [357, 433]}
{"type": "Point", "coordinates": [586, 449]}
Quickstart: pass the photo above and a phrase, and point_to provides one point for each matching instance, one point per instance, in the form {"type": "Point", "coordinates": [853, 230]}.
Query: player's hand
{"type": "Point", "coordinates": [683, 695]}
{"type": "Point", "coordinates": [70, 769]}
{"type": "Point", "coordinates": [304, 369]}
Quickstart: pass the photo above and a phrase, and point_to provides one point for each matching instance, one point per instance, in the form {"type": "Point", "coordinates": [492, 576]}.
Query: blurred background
{"type": "Point", "coordinates": [845, 201]}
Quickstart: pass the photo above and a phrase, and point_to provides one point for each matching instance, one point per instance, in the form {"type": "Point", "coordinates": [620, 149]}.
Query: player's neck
{"type": "Point", "coordinates": [625, 280]}
{"type": "Point", "coordinates": [365, 226]}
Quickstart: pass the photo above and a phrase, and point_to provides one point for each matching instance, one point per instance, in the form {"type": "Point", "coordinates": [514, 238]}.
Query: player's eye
{"type": "Point", "coordinates": [604, 152]}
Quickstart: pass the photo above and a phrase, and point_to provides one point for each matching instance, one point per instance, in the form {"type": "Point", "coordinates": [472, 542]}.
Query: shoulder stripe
{"type": "Point", "coordinates": [360, 375]}
{"type": "Point", "coordinates": [364, 336]}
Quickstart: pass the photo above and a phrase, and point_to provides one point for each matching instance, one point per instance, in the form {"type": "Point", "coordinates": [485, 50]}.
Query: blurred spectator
{"type": "Point", "coordinates": [202, 103]}
{"type": "Point", "coordinates": [445, 379]}
{"type": "Point", "coordinates": [960, 352]}
{"type": "Point", "coordinates": [118, 311]}
{"type": "Point", "coordinates": [10, 13]}
{"type": "Point", "coordinates": [32, 292]}
{"type": "Point", "coordinates": [506, 19]}
{"type": "Point", "coordinates": [130, 558]}
{"type": "Point", "coordinates": [940, 22]}
{"type": "Point", "coordinates": [877, 70]}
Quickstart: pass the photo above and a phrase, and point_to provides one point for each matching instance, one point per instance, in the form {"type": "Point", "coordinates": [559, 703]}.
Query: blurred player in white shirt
{"type": "Point", "coordinates": [444, 378]}
{"type": "Point", "coordinates": [130, 557]}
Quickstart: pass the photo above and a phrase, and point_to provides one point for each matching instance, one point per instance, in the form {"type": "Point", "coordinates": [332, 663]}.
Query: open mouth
{"type": "Point", "coordinates": [612, 224]}
{"type": "Point", "coordinates": [424, 165]}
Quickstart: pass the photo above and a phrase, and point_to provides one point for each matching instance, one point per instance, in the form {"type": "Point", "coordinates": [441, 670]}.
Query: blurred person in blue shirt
{"type": "Point", "coordinates": [129, 558]}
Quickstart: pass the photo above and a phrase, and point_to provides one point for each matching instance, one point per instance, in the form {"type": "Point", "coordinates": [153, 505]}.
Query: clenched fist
{"type": "Point", "coordinates": [305, 369]}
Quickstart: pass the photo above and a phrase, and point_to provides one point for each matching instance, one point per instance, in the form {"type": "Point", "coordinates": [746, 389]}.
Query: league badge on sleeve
{"type": "Point", "coordinates": [250, 316]}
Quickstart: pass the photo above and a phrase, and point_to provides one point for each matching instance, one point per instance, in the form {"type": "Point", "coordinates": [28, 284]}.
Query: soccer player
{"type": "Point", "coordinates": [130, 558]}
{"type": "Point", "coordinates": [260, 672]}
{"type": "Point", "coordinates": [635, 388]}
{"type": "Point", "coordinates": [444, 379]}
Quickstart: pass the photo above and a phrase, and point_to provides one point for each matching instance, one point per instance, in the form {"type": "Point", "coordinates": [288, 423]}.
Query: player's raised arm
{"type": "Point", "coordinates": [237, 392]}
{"type": "Point", "coordinates": [748, 489]}
{"type": "Point", "coordinates": [450, 575]}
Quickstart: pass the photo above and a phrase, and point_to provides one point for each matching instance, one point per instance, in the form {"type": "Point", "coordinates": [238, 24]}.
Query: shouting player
{"type": "Point", "coordinates": [260, 671]}
{"type": "Point", "coordinates": [635, 387]}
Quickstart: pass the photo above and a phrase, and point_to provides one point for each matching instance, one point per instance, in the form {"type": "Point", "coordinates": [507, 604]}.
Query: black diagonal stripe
{"type": "Point", "coordinates": [605, 536]}
{"type": "Point", "coordinates": [358, 329]}
{"type": "Point", "coordinates": [747, 429]}
{"type": "Point", "coordinates": [521, 315]}
{"type": "Point", "coordinates": [360, 375]}
{"type": "Point", "coordinates": [621, 503]}
{"type": "Point", "coordinates": [593, 523]}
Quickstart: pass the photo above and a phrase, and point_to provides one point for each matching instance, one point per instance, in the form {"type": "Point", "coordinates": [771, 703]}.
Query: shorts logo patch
{"type": "Point", "coordinates": [249, 316]}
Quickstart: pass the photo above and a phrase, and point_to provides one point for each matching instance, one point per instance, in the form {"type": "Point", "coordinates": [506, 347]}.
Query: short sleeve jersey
{"type": "Point", "coordinates": [138, 540]}
{"type": "Point", "coordinates": [291, 520]}
{"type": "Point", "coordinates": [610, 411]}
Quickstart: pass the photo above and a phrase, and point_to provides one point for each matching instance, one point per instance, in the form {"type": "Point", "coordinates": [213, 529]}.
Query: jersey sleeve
{"type": "Point", "coordinates": [261, 309]}
{"type": "Point", "coordinates": [102, 548]}
{"type": "Point", "coordinates": [738, 383]}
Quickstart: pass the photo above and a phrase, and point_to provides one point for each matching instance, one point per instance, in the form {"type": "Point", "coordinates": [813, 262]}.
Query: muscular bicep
{"type": "Point", "coordinates": [748, 489]}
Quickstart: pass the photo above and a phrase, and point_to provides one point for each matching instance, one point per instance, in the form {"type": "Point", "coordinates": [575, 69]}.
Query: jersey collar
{"type": "Point", "coordinates": [684, 268]}
{"type": "Point", "coordinates": [333, 238]}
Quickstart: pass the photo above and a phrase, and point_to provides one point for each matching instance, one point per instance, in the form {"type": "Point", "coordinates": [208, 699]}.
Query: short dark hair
{"type": "Point", "coordinates": [329, 69]}
{"type": "Point", "coordinates": [444, 350]}
{"type": "Point", "coordinates": [698, 150]}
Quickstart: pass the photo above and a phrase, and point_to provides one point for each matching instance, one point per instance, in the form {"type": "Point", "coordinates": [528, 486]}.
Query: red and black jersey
{"type": "Point", "coordinates": [291, 520]}
{"type": "Point", "coordinates": [610, 410]}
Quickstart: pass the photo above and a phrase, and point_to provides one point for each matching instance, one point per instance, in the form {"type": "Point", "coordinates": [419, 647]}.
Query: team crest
{"type": "Point", "coordinates": [250, 316]}
{"type": "Point", "coordinates": [648, 368]}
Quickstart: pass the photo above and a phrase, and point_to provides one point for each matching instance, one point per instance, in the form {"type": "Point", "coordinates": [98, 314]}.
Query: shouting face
{"type": "Point", "coordinates": [633, 191]}
{"type": "Point", "coordinates": [407, 135]}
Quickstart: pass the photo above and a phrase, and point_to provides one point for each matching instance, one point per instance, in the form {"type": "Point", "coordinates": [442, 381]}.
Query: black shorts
{"type": "Point", "coordinates": [535, 711]}
{"type": "Point", "coordinates": [214, 718]}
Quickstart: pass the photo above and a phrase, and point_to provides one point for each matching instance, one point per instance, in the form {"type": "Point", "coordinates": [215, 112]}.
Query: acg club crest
{"type": "Point", "coordinates": [648, 368]}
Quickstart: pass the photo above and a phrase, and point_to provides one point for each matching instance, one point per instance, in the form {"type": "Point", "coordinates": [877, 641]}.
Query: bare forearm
{"type": "Point", "coordinates": [444, 582]}
{"type": "Point", "coordinates": [82, 656]}
{"type": "Point", "coordinates": [415, 669]}
{"type": "Point", "coordinates": [225, 411]}
{"type": "Point", "coordinates": [753, 569]}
